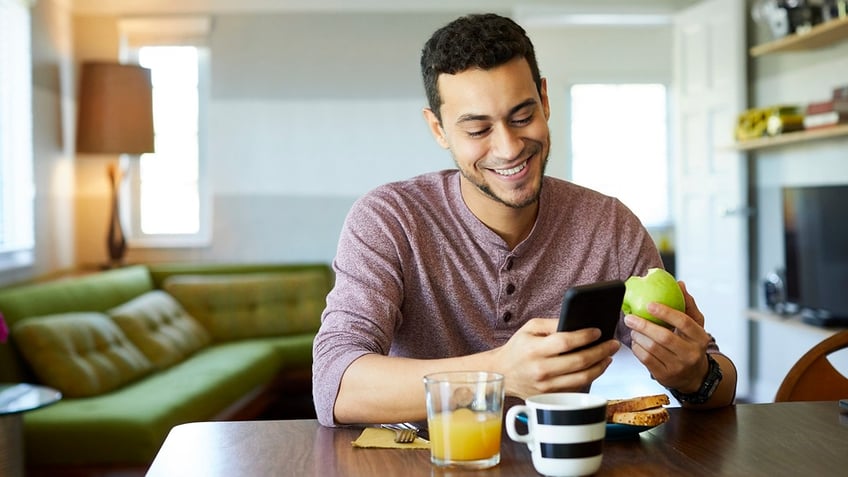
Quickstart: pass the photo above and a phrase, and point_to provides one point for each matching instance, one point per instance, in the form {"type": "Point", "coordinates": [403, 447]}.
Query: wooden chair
{"type": "Point", "coordinates": [813, 378]}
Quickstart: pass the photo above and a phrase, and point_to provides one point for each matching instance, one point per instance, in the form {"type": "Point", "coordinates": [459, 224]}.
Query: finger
{"type": "Point", "coordinates": [665, 363]}
{"type": "Point", "coordinates": [641, 331]}
{"type": "Point", "coordinates": [540, 326]}
{"type": "Point", "coordinates": [569, 371]}
{"type": "Point", "coordinates": [579, 379]}
{"type": "Point", "coordinates": [554, 343]}
{"type": "Point", "coordinates": [654, 365]}
{"type": "Point", "coordinates": [691, 307]}
{"type": "Point", "coordinates": [686, 332]}
{"type": "Point", "coordinates": [575, 361]}
{"type": "Point", "coordinates": [567, 340]}
{"type": "Point", "coordinates": [571, 340]}
{"type": "Point", "coordinates": [671, 316]}
{"type": "Point", "coordinates": [657, 341]}
{"type": "Point", "coordinates": [651, 344]}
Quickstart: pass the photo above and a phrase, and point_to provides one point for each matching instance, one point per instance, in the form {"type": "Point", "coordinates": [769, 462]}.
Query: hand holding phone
{"type": "Point", "coordinates": [595, 305]}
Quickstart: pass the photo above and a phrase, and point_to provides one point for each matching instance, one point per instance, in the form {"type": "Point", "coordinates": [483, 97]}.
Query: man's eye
{"type": "Point", "coordinates": [523, 121]}
{"type": "Point", "coordinates": [478, 133]}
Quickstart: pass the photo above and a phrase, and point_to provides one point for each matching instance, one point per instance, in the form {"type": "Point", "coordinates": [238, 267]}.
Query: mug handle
{"type": "Point", "coordinates": [511, 417]}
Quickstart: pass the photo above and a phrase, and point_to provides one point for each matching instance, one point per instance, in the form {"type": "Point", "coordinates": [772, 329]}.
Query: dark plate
{"type": "Point", "coordinates": [615, 432]}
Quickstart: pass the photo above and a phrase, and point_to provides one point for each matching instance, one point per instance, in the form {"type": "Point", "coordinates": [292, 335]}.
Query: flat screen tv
{"type": "Point", "coordinates": [815, 225]}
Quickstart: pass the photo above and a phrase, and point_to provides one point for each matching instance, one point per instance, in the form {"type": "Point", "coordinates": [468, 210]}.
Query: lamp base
{"type": "Point", "coordinates": [116, 243]}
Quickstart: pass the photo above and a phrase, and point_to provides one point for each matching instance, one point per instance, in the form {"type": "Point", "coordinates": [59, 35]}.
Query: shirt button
{"type": "Point", "coordinates": [507, 316]}
{"type": "Point", "coordinates": [509, 264]}
{"type": "Point", "coordinates": [510, 289]}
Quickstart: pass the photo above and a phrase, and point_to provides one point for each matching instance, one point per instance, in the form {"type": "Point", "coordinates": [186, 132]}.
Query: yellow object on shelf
{"type": "Point", "coordinates": [770, 121]}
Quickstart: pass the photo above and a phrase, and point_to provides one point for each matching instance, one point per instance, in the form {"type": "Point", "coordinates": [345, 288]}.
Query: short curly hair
{"type": "Point", "coordinates": [474, 41]}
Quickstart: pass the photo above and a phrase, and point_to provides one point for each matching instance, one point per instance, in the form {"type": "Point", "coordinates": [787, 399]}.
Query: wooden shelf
{"type": "Point", "coordinates": [821, 35]}
{"type": "Point", "coordinates": [792, 138]}
{"type": "Point", "coordinates": [793, 321]}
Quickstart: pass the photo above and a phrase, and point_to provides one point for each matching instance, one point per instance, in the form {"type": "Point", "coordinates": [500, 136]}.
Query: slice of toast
{"type": "Point", "coordinates": [647, 417]}
{"type": "Point", "coordinates": [640, 403]}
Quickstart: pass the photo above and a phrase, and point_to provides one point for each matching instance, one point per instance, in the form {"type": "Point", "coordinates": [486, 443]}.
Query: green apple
{"type": "Point", "coordinates": [656, 286]}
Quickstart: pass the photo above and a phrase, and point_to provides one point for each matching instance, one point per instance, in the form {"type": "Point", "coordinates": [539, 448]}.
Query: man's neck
{"type": "Point", "coordinates": [511, 224]}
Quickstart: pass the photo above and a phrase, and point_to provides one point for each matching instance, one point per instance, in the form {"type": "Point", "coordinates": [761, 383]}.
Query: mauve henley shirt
{"type": "Point", "coordinates": [418, 275]}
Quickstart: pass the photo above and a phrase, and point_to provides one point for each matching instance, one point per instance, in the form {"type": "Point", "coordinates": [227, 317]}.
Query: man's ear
{"type": "Point", "coordinates": [435, 128]}
{"type": "Point", "coordinates": [545, 104]}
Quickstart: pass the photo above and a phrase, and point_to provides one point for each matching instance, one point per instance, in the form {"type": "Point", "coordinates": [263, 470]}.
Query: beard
{"type": "Point", "coordinates": [483, 187]}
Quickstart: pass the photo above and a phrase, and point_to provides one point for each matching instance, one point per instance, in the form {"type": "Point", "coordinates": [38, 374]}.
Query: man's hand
{"type": "Point", "coordinates": [676, 357]}
{"type": "Point", "coordinates": [536, 360]}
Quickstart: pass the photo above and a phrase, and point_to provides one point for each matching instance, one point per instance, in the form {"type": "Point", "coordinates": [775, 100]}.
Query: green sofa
{"type": "Point", "coordinates": [140, 349]}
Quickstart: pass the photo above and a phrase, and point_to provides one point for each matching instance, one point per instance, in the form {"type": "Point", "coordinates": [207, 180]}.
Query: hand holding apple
{"type": "Point", "coordinates": [656, 286]}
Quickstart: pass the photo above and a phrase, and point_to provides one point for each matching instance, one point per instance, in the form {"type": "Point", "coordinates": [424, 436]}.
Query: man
{"type": "Point", "coordinates": [463, 269]}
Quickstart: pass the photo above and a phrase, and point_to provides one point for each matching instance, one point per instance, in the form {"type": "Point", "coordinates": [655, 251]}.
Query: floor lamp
{"type": "Point", "coordinates": [115, 117]}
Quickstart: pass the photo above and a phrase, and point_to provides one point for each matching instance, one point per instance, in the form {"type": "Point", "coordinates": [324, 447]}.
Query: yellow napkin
{"type": "Point", "coordinates": [379, 438]}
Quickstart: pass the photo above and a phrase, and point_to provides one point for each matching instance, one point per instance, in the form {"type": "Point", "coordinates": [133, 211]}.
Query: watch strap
{"type": "Point", "coordinates": [708, 387]}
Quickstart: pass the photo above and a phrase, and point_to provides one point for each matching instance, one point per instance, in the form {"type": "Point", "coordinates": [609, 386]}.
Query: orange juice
{"type": "Point", "coordinates": [465, 435]}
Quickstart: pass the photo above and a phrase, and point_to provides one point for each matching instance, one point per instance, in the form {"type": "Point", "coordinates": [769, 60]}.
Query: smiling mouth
{"type": "Point", "coordinates": [511, 171]}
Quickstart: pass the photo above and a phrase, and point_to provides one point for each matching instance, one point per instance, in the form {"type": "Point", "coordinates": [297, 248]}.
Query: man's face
{"type": "Point", "coordinates": [495, 124]}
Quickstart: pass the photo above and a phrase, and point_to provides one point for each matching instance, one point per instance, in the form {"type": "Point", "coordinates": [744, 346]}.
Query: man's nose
{"type": "Point", "coordinates": [506, 143]}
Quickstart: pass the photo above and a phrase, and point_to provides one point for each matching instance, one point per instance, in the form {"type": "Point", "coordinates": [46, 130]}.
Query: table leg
{"type": "Point", "coordinates": [12, 445]}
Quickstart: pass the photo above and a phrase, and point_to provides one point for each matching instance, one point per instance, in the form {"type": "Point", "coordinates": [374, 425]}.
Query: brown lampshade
{"type": "Point", "coordinates": [115, 109]}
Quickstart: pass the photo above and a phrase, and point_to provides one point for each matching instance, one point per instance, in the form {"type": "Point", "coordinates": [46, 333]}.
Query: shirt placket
{"type": "Point", "coordinates": [508, 283]}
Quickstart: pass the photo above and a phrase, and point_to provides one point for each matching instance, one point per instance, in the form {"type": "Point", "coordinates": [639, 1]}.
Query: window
{"type": "Point", "coordinates": [165, 203]}
{"type": "Point", "coordinates": [619, 140]}
{"type": "Point", "coordinates": [168, 195]}
{"type": "Point", "coordinates": [17, 190]}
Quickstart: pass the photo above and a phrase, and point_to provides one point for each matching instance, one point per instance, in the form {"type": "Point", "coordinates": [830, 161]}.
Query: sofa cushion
{"type": "Point", "coordinates": [159, 327]}
{"type": "Point", "coordinates": [80, 354]}
{"type": "Point", "coordinates": [129, 425]}
{"type": "Point", "coordinates": [87, 292]}
{"type": "Point", "coordinates": [252, 305]}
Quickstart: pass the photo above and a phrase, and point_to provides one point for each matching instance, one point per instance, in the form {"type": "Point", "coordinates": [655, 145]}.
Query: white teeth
{"type": "Point", "coordinates": [513, 171]}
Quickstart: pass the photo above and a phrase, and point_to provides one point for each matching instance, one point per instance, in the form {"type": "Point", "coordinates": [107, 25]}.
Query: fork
{"type": "Point", "coordinates": [404, 433]}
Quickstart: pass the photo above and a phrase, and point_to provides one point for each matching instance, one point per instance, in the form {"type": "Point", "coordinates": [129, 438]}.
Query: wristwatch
{"type": "Point", "coordinates": [708, 387]}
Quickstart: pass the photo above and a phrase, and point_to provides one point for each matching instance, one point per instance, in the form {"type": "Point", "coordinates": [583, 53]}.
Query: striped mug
{"type": "Point", "coordinates": [565, 432]}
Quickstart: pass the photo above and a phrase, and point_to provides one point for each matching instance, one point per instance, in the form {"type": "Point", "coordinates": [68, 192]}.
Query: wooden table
{"type": "Point", "coordinates": [801, 438]}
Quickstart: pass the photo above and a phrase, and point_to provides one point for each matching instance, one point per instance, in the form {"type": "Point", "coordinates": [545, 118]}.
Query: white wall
{"type": "Point", "coordinates": [322, 147]}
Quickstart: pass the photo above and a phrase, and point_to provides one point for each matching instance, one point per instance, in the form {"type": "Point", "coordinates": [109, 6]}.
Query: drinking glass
{"type": "Point", "coordinates": [464, 415]}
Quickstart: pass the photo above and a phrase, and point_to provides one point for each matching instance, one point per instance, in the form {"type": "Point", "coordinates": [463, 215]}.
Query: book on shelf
{"type": "Point", "coordinates": [825, 119]}
{"type": "Point", "coordinates": [817, 107]}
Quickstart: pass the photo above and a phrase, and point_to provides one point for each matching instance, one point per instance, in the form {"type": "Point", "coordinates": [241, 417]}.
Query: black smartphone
{"type": "Point", "coordinates": [595, 305]}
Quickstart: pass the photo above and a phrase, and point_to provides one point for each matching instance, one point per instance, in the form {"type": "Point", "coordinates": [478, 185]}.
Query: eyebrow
{"type": "Point", "coordinates": [482, 117]}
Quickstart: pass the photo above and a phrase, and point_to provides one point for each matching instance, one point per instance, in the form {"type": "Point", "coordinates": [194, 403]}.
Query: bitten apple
{"type": "Point", "coordinates": [656, 286]}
